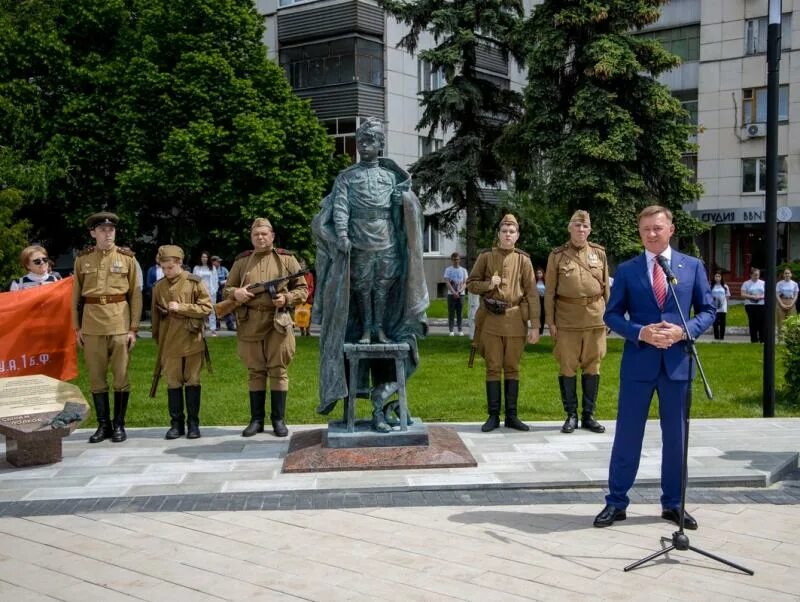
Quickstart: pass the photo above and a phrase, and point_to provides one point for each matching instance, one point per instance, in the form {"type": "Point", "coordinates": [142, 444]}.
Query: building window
{"type": "Point", "coordinates": [429, 79]}
{"type": "Point", "coordinates": [430, 239]}
{"type": "Point", "coordinates": [336, 62]}
{"type": "Point", "coordinates": [429, 145]}
{"type": "Point", "coordinates": [755, 34]}
{"type": "Point", "coordinates": [754, 105]}
{"type": "Point", "coordinates": [690, 161]}
{"type": "Point", "coordinates": [343, 132]}
{"type": "Point", "coordinates": [688, 100]}
{"type": "Point", "coordinates": [683, 41]}
{"type": "Point", "coordinates": [754, 174]}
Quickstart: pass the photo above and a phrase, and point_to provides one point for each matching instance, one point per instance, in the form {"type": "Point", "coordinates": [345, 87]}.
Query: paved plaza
{"type": "Point", "coordinates": [214, 519]}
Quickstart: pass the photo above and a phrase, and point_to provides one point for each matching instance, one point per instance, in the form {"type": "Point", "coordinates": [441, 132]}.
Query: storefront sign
{"type": "Point", "coordinates": [745, 215]}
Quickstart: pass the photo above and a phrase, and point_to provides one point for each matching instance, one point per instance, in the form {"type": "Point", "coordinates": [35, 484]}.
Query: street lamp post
{"type": "Point", "coordinates": [771, 200]}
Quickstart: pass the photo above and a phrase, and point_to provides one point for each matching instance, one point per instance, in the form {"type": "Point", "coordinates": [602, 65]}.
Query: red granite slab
{"type": "Point", "coordinates": [446, 450]}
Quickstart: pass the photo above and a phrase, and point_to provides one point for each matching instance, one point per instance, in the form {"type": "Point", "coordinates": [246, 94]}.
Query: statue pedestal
{"type": "Point", "coordinates": [350, 432]}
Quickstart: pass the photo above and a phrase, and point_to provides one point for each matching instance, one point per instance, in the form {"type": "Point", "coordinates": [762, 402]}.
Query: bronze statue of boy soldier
{"type": "Point", "coordinates": [181, 303]}
{"type": "Point", "coordinates": [576, 291]}
{"type": "Point", "coordinates": [106, 308]}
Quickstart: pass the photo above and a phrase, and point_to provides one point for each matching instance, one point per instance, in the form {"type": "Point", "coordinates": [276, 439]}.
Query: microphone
{"type": "Point", "coordinates": [662, 261]}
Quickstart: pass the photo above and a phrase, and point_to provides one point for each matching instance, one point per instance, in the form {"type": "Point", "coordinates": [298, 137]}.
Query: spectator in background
{"type": "Point", "coordinates": [456, 279]}
{"type": "Point", "coordinates": [222, 279]}
{"type": "Point", "coordinates": [540, 288]}
{"type": "Point", "coordinates": [786, 291]}
{"type": "Point", "coordinates": [154, 274]}
{"type": "Point", "coordinates": [208, 274]}
{"type": "Point", "coordinates": [753, 293]}
{"type": "Point", "coordinates": [720, 293]}
{"type": "Point", "coordinates": [34, 259]}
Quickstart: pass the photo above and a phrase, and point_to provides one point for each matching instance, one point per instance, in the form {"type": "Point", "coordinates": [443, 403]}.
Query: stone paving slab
{"type": "Point", "coordinates": [723, 452]}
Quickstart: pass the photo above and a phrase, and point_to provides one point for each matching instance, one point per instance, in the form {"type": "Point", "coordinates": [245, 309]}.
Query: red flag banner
{"type": "Point", "coordinates": [36, 335]}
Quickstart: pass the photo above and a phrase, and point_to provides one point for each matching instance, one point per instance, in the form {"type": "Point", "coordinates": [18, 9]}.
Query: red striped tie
{"type": "Point", "coordinates": [659, 284]}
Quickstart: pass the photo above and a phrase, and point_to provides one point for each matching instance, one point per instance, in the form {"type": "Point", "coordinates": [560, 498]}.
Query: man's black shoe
{"type": "Point", "coordinates": [673, 515]}
{"type": "Point", "coordinates": [609, 514]}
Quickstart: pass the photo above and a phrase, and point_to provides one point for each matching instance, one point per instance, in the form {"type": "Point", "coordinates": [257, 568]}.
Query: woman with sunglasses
{"type": "Point", "coordinates": [34, 259]}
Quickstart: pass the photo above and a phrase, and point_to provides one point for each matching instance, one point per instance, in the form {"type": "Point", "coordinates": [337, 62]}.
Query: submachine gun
{"type": "Point", "coordinates": [223, 308]}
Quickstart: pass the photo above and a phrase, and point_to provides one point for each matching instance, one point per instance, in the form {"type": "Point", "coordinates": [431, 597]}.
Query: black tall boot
{"type": "Point", "coordinates": [493, 403]}
{"type": "Point", "coordinates": [590, 383]}
{"type": "Point", "coordinates": [277, 400]}
{"type": "Point", "coordinates": [258, 401]}
{"type": "Point", "coordinates": [120, 409]}
{"type": "Point", "coordinates": [103, 431]}
{"type": "Point", "coordinates": [569, 398]}
{"type": "Point", "coordinates": [193, 411]}
{"type": "Point", "coordinates": [175, 406]}
{"type": "Point", "coordinates": [512, 392]}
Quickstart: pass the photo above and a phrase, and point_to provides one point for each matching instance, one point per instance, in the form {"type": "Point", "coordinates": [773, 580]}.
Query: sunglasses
{"type": "Point", "coordinates": [39, 261]}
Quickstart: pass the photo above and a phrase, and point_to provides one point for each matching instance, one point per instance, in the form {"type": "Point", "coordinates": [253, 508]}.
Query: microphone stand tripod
{"type": "Point", "coordinates": [679, 539]}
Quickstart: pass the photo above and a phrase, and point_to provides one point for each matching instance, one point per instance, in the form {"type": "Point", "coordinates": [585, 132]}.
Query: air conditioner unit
{"type": "Point", "coordinates": [754, 130]}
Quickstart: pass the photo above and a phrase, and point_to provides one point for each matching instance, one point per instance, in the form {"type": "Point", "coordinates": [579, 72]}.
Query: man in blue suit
{"type": "Point", "coordinates": [654, 359]}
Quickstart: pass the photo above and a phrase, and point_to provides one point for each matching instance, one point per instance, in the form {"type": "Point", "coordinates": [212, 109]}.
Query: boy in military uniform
{"type": "Point", "coordinates": [106, 307]}
{"type": "Point", "coordinates": [265, 331]}
{"type": "Point", "coordinates": [504, 278]}
{"type": "Point", "coordinates": [180, 305]}
{"type": "Point", "coordinates": [576, 291]}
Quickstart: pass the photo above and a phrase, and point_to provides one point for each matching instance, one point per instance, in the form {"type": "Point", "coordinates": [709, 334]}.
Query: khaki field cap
{"type": "Point", "coordinates": [509, 219]}
{"type": "Point", "coordinates": [170, 251]}
{"type": "Point", "coordinates": [101, 219]}
{"type": "Point", "coordinates": [581, 216]}
{"type": "Point", "coordinates": [261, 222]}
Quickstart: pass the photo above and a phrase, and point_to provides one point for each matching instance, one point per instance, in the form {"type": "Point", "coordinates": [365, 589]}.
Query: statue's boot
{"type": "Point", "coordinates": [193, 411]}
{"type": "Point", "coordinates": [120, 409]}
{"type": "Point", "coordinates": [493, 403]}
{"type": "Point", "coordinates": [590, 383]}
{"type": "Point", "coordinates": [104, 430]}
{"type": "Point", "coordinates": [365, 306]}
{"type": "Point", "coordinates": [277, 413]}
{"type": "Point", "coordinates": [379, 423]}
{"type": "Point", "coordinates": [176, 418]}
{"type": "Point", "coordinates": [512, 393]}
{"type": "Point", "coordinates": [258, 401]}
{"type": "Point", "coordinates": [569, 399]}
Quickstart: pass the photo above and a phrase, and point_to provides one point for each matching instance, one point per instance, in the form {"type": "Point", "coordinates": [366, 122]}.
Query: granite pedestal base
{"type": "Point", "coordinates": [28, 451]}
{"type": "Point", "coordinates": [339, 436]}
{"type": "Point", "coordinates": [308, 454]}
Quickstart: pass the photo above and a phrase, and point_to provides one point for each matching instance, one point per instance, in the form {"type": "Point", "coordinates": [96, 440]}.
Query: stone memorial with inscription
{"type": "Point", "coordinates": [36, 413]}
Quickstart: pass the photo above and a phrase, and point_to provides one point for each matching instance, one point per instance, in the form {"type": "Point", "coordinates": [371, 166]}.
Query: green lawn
{"type": "Point", "coordinates": [443, 388]}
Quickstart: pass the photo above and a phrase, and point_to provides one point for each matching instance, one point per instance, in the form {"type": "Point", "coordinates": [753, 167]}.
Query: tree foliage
{"type": "Point", "coordinates": [599, 132]}
{"type": "Point", "coordinates": [165, 111]}
{"type": "Point", "coordinates": [473, 108]}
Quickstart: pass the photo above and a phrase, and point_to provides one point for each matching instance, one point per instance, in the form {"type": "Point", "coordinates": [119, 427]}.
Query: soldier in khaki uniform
{"type": "Point", "coordinates": [576, 292]}
{"type": "Point", "coordinates": [180, 305]}
{"type": "Point", "coordinates": [265, 330]}
{"type": "Point", "coordinates": [106, 307]}
{"type": "Point", "coordinates": [504, 278]}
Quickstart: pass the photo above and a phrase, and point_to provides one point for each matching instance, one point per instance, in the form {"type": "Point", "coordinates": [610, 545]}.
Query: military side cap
{"type": "Point", "coordinates": [170, 251]}
{"type": "Point", "coordinates": [581, 216]}
{"type": "Point", "coordinates": [509, 219]}
{"type": "Point", "coordinates": [101, 219]}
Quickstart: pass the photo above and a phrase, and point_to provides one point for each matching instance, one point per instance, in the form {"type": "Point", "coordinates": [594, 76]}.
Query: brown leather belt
{"type": "Point", "coordinates": [104, 299]}
{"type": "Point", "coordinates": [579, 300]}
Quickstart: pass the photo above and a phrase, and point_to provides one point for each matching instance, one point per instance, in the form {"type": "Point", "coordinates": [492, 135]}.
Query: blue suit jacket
{"type": "Point", "coordinates": [632, 294]}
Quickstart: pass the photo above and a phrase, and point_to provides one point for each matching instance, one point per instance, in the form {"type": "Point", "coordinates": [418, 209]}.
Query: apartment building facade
{"type": "Point", "coordinates": [723, 83]}
{"type": "Point", "coordinates": [342, 55]}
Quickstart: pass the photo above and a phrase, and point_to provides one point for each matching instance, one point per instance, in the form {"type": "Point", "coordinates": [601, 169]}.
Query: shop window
{"type": "Point", "coordinates": [755, 34]}
{"type": "Point", "coordinates": [754, 105]}
{"type": "Point", "coordinates": [754, 174]}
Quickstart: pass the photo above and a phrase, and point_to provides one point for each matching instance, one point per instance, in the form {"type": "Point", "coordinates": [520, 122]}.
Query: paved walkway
{"type": "Point", "coordinates": [215, 519]}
